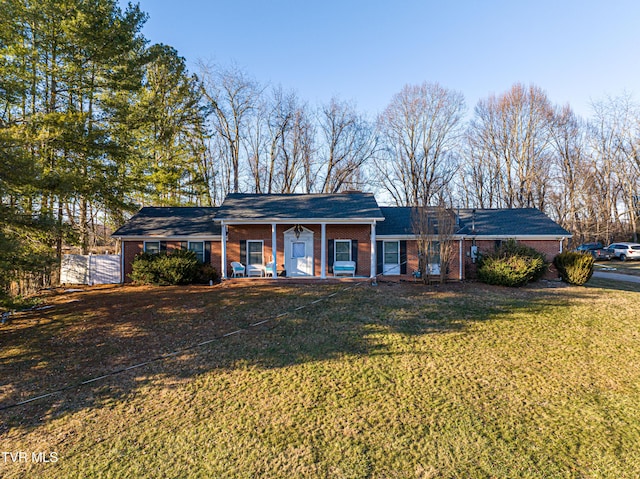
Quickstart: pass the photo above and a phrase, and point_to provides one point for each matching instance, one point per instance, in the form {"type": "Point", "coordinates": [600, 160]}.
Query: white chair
{"type": "Point", "coordinates": [238, 269]}
{"type": "Point", "coordinates": [270, 269]}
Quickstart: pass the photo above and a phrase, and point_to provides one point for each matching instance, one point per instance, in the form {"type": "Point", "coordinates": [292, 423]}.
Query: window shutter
{"type": "Point", "coordinates": [184, 245]}
{"type": "Point", "coordinates": [379, 257]}
{"type": "Point", "coordinates": [163, 246]}
{"type": "Point", "coordinates": [243, 251]}
{"type": "Point", "coordinates": [330, 254]}
{"type": "Point", "coordinates": [354, 252]}
{"type": "Point", "coordinates": [403, 257]}
{"type": "Point", "coordinates": [207, 252]}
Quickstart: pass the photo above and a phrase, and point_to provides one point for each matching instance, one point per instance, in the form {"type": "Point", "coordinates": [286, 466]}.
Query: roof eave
{"type": "Point", "coordinates": [298, 220]}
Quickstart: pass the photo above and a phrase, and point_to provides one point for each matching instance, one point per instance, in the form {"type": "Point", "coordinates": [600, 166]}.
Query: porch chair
{"type": "Point", "coordinates": [238, 269]}
{"type": "Point", "coordinates": [270, 269]}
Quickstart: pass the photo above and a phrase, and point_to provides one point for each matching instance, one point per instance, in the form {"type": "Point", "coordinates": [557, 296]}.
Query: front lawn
{"type": "Point", "coordinates": [393, 381]}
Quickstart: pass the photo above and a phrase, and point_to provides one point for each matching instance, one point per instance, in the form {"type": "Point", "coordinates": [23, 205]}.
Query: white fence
{"type": "Point", "coordinates": [90, 269]}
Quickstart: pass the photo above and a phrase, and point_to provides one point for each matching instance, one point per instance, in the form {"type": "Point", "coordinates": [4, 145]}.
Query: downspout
{"type": "Point", "coordinates": [274, 251]}
{"type": "Point", "coordinates": [561, 243]}
{"type": "Point", "coordinates": [121, 260]}
{"type": "Point", "coordinates": [223, 255]}
{"type": "Point", "coordinates": [323, 250]}
{"type": "Point", "coordinates": [460, 252]}
{"type": "Point", "coordinates": [374, 262]}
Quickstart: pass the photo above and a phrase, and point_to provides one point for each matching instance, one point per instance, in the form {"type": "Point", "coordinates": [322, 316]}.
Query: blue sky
{"type": "Point", "coordinates": [366, 51]}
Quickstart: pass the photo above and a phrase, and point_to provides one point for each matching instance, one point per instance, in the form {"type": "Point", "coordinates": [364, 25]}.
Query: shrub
{"type": "Point", "coordinates": [574, 267]}
{"type": "Point", "coordinates": [179, 267]}
{"type": "Point", "coordinates": [144, 269]}
{"type": "Point", "coordinates": [511, 264]}
{"type": "Point", "coordinates": [206, 273]}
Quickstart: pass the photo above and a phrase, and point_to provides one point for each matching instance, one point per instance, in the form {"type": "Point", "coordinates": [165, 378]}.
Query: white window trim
{"type": "Point", "coordinates": [261, 249]}
{"type": "Point", "coordinates": [189, 243]}
{"type": "Point", "coordinates": [335, 248]}
{"type": "Point", "coordinates": [144, 246]}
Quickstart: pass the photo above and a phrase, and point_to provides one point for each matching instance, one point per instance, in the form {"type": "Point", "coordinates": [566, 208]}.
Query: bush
{"type": "Point", "coordinates": [512, 264]}
{"type": "Point", "coordinates": [574, 267]}
{"type": "Point", "coordinates": [206, 273]}
{"type": "Point", "coordinates": [179, 267]}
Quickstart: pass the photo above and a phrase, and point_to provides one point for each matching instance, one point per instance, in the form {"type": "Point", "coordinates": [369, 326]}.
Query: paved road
{"type": "Point", "coordinates": [616, 276]}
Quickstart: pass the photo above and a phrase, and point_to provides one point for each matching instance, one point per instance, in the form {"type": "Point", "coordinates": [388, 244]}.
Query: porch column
{"type": "Point", "coordinates": [274, 251]}
{"type": "Point", "coordinates": [223, 256]}
{"type": "Point", "coordinates": [374, 263]}
{"type": "Point", "coordinates": [323, 250]}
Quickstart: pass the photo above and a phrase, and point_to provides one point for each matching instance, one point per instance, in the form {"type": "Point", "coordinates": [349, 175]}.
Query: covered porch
{"type": "Point", "coordinates": [282, 249]}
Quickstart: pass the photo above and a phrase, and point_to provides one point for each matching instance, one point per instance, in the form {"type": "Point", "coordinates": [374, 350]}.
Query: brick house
{"type": "Point", "coordinates": [296, 235]}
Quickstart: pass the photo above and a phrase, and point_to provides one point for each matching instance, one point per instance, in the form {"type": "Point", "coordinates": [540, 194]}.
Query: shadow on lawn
{"type": "Point", "coordinates": [87, 335]}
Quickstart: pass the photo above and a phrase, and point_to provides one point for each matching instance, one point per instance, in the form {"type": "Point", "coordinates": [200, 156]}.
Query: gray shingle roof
{"type": "Point", "coordinates": [199, 221]}
{"type": "Point", "coordinates": [171, 221]}
{"type": "Point", "coordinates": [340, 206]}
{"type": "Point", "coordinates": [398, 220]}
{"type": "Point", "coordinates": [488, 222]}
{"type": "Point", "coordinates": [509, 222]}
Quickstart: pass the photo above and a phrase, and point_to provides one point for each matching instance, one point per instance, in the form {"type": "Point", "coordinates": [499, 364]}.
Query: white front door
{"type": "Point", "coordinates": [298, 253]}
{"type": "Point", "coordinates": [391, 257]}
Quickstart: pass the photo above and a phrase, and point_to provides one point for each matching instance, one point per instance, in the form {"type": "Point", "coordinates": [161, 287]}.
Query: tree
{"type": "Point", "coordinates": [420, 128]}
{"type": "Point", "coordinates": [348, 143]}
{"type": "Point", "coordinates": [62, 64]}
{"type": "Point", "coordinates": [510, 139]}
{"type": "Point", "coordinates": [171, 118]}
{"type": "Point", "coordinates": [233, 98]}
{"type": "Point", "coordinates": [572, 175]}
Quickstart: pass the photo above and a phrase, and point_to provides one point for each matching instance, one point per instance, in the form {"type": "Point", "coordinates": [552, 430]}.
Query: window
{"type": "Point", "coordinates": [342, 250]}
{"type": "Point", "coordinates": [152, 247]}
{"type": "Point", "coordinates": [198, 248]}
{"type": "Point", "coordinates": [254, 252]}
{"type": "Point", "coordinates": [298, 250]}
{"type": "Point", "coordinates": [391, 252]}
{"type": "Point", "coordinates": [433, 254]}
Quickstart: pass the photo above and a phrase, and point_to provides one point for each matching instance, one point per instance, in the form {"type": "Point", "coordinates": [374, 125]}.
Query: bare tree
{"type": "Point", "coordinates": [421, 129]}
{"type": "Point", "coordinates": [291, 142]}
{"type": "Point", "coordinates": [233, 98]}
{"type": "Point", "coordinates": [434, 227]}
{"type": "Point", "coordinates": [348, 144]}
{"type": "Point", "coordinates": [511, 137]}
{"type": "Point", "coordinates": [571, 172]}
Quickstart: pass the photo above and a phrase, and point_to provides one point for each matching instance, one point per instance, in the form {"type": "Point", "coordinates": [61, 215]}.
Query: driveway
{"type": "Point", "coordinates": [616, 276]}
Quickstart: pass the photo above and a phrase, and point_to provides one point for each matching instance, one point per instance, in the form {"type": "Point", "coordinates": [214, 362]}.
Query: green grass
{"type": "Point", "coordinates": [393, 381]}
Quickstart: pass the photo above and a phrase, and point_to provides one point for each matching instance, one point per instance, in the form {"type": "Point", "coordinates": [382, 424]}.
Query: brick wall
{"type": "Point", "coordinates": [413, 261]}
{"type": "Point", "coordinates": [131, 249]}
{"type": "Point", "coordinates": [361, 233]}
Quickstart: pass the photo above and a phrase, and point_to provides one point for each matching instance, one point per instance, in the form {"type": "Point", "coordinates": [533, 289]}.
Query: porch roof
{"type": "Point", "coordinates": [300, 207]}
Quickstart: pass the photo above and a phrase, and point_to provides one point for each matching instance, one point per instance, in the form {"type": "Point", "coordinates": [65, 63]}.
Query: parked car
{"type": "Point", "coordinates": [625, 251]}
{"type": "Point", "coordinates": [598, 251]}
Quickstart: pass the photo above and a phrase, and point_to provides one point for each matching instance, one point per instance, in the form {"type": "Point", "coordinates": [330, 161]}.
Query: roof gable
{"type": "Point", "coordinates": [267, 207]}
